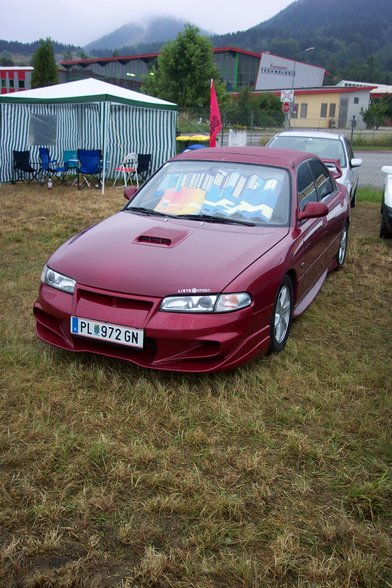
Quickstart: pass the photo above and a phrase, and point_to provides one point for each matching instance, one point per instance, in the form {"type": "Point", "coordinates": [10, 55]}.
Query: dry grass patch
{"type": "Point", "coordinates": [277, 474]}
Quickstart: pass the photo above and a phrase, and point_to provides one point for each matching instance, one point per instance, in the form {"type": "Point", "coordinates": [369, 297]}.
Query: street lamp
{"type": "Point", "coordinates": [308, 50]}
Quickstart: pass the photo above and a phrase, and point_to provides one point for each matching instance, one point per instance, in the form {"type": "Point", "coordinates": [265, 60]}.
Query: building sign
{"type": "Point", "coordinates": [276, 69]}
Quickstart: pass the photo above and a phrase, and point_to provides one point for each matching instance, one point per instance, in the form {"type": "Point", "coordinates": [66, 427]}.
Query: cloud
{"type": "Point", "coordinates": [86, 21]}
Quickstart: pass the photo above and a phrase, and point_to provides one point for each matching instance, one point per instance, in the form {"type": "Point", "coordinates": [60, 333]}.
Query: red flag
{"type": "Point", "coordinates": [215, 118]}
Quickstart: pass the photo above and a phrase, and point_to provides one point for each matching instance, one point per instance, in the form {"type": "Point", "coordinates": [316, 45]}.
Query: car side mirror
{"type": "Point", "coordinates": [130, 192]}
{"type": "Point", "coordinates": [387, 169]}
{"type": "Point", "coordinates": [356, 162]}
{"type": "Point", "coordinates": [313, 210]}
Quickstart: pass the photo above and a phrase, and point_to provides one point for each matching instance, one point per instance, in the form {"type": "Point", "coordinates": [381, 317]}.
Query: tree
{"type": "Point", "coordinates": [5, 59]}
{"type": "Point", "coordinates": [184, 69]}
{"type": "Point", "coordinates": [45, 68]}
{"type": "Point", "coordinates": [247, 109]}
{"type": "Point", "coordinates": [375, 115]}
{"type": "Point", "coordinates": [68, 55]}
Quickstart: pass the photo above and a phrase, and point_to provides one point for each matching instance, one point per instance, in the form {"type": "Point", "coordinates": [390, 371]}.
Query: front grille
{"type": "Point", "coordinates": [133, 311]}
{"type": "Point", "coordinates": [114, 300]}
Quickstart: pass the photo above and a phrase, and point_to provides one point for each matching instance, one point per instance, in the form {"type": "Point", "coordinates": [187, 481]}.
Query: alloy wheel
{"type": "Point", "coordinates": [282, 314]}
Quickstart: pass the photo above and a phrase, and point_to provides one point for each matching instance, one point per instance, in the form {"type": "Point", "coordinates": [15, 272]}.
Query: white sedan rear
{"type": "Point", "coordinates": [326, 146]}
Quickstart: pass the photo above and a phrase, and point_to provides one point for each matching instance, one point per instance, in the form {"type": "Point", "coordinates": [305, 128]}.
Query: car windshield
{"type": "Point", "coordinates": [323, 147]}
{"type": "Point", "coordinates": [217, 192]}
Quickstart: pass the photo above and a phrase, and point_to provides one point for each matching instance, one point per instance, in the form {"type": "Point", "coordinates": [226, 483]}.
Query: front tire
{"type": "Point", "coordinates": [281, 316]}
{"type": "Point", "coordinates": [342, 251]}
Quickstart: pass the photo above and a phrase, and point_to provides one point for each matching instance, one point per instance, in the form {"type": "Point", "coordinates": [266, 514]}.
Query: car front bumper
{"type": "Point", "coordinates": [172, 341]}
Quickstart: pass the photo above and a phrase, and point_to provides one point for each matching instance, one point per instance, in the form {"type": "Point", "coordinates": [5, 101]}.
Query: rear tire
{"type": "Point", "coordinates": [281, 316]}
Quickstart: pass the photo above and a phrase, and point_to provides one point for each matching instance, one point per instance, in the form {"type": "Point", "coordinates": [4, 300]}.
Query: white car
{"type": "Point", "coordinates": [386, 204]}
{"type": "Point", "coordinates": [326, 146]}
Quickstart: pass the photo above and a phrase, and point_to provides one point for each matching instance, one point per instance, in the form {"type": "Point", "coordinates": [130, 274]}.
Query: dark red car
{"type": "Point", "coordinates": [206, 265]}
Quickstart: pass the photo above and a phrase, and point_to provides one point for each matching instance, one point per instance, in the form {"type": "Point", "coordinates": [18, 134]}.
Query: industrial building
{"type": "Point", "coordinates": [238, 68]}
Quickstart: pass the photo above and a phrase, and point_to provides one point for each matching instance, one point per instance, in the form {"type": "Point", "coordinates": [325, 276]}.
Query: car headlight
{"type": "Point", "coordinates": [56, 280]}
{"type": "Point", "coordinates": [206, 303]}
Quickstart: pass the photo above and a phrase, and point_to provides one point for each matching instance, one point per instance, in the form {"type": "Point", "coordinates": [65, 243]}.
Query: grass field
{"type": "Point", "coordinates": [277, 474]}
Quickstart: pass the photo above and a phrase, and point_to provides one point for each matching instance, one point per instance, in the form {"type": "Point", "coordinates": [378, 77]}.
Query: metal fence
{"type": "Point", "coordinates": [255, 129]}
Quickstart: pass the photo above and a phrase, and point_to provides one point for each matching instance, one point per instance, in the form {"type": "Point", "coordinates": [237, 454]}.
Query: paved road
{"type": "Point", "coordinates": [370, 174]}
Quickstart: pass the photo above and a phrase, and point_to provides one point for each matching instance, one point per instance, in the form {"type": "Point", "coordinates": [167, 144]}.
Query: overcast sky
{"type": "Point", "coordinates": [79, 23]}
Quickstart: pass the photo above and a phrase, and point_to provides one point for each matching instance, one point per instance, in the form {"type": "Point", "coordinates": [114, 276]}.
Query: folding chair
{"type": "Point", "coordinates": [71, 163]}
{"type": "Point", "coordinates": [128, 168]}
{"type": "Point", "coordinates": [23, 170]}
{"type": "Point", "coordinates": [143, 166]}
{"type": "Point", "coordinates": [90, 167]}
{"type": "Point", "coordinates": [49, 167]}
{"type": "Point", "coordinates": [70, 159]}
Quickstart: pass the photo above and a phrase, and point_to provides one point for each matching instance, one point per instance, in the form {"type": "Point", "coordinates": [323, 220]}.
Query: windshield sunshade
{"type": "Point", "coordinates": [207, 190]}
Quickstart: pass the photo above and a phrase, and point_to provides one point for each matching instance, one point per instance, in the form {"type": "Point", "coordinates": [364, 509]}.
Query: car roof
{"type": "Point", "coordinates": [312, 134]}
{"type": "Point", "coordinates": [287, 158]}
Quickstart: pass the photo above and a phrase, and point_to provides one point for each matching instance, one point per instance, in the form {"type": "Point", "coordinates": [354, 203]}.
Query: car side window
{"type": "Point", "coordinates": [324, 183]}
{"type": "Point", "coordinates": [306, 189]}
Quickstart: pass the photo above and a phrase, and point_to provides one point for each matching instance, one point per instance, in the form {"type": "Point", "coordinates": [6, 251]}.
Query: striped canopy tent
{"type": "Point", "coordinates": [86, 114]}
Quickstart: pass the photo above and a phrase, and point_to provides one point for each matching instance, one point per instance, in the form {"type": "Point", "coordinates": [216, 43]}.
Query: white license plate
{"type": "Point", "coordinates": [106, 332]}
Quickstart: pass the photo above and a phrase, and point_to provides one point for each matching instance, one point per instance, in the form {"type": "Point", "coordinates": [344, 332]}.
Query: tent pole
{"type": "Point", "coordinates": [106, 113]}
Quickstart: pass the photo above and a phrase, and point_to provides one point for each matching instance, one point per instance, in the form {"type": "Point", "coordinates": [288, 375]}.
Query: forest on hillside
{"type": "Point", "coordinates": [351, 39]}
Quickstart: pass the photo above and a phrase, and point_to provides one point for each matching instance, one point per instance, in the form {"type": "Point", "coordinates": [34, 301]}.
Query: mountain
{"type": "Point", "coordinates": [152, 32]}
{"type": "Point", "coordinates": [352, 39]}
{"type": "Point", "coordinates": [17, 53]}
{"type": "Point", "coordinates": [345, 35]}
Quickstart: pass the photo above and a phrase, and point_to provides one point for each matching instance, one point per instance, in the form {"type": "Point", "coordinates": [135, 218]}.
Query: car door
{"type": "Point", "coordinates": [332, 224]}
{"type": "Point", "coordinates": [311, 231]}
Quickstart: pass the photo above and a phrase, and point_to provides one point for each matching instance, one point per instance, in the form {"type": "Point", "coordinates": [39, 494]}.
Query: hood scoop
{"type": "Point", "coordinates": [154, 240]}
{"type": "Point", "coordinates": [161, 237]}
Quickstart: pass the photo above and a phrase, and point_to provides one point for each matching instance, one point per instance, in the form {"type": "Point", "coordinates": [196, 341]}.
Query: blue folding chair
{"type": "Point", "coordinates": [90, 167]}
{"type": "Point", "coordinates": [50, 168]}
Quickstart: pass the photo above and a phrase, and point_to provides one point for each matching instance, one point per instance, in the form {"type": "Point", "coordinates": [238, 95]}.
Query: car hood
{"type": "Point", "coordinates": [150, 256]}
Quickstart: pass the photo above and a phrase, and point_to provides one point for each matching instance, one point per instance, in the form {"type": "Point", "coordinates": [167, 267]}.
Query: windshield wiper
{"type": "Point", "coordinates": [216, 219]}
{"type": "Point", "coordinates": [148, 211]}
{"type": "Point", "coordinates": [200, 217]}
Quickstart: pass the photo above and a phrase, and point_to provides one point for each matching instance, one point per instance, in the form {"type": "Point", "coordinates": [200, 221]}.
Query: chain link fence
{"type": "Point", "coordinates": [254, 128]}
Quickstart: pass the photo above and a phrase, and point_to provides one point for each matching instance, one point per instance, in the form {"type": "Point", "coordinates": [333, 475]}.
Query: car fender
{"type": "Point", "coordinates": [262, 278]}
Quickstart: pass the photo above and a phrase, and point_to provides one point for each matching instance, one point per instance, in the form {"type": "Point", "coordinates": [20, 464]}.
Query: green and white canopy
{"type": "Point", "coordinates": [87, 114]}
